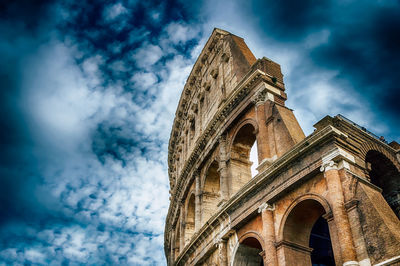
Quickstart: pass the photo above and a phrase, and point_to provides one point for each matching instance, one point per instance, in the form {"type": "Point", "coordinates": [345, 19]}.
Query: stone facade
{"type": "Point", "coordinates": [332, 197]}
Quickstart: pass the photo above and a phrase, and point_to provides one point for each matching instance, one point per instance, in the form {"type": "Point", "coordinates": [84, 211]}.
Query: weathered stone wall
{"type": "Point", "coordinates": [379, 224]}
{"type": "Point", "coordinates": [219, 214]}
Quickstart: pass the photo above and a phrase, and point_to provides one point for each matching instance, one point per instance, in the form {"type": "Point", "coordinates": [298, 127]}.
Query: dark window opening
{"type": "Point", "coordinates": [320, 242]}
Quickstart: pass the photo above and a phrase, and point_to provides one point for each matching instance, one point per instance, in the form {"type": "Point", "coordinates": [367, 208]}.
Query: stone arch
{"type": "Point", "coordinates": [190, 216]}
{"type": "Point", "coordinates": [211, 191]}
{"type": "Point", "coordinates": [244, 137]}
{"type": "Point", "coordinates": [206, 167]}
{"type": "Point", "coordinates": [310, 196]}
{"type": "Point", "coordinates": [383, 173]}
{"type": "Point", "coordinates": [295, 231]}
{"type": "Point", "coordinates": [244, 122]}
{"type": "Point", "coordinates": [369, 146]}
{"type": "Point", "coordinates": [248, 250]}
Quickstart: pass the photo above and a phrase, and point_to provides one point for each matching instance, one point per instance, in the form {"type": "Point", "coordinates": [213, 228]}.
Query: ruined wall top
{"type": "Point", "coordinates": [222, 64]}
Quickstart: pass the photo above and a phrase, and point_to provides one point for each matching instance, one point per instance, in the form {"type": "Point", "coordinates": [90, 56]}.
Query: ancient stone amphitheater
{"type": "Point", "coordinates": [331, 198]}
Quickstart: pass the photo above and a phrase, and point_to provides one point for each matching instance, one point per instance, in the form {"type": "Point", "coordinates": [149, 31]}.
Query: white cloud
{"type": "Point", "coordinates": [34, 256]}
{"type": "Point", "coordinates": [147, 55]}
{"type": "Point", "coordinates": [143, 80]}
{"type": "Point", "coordinates": [114, 11]}
{"type": "Point", "coordinates": [181, 33]}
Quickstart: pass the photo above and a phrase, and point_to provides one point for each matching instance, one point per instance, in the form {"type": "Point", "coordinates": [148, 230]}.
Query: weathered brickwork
{"type": "Point", "coordinates": [331, 198]}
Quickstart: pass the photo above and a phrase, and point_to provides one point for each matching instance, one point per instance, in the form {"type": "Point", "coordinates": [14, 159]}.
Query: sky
{"type": "Point", "coordinates": [89, 90]}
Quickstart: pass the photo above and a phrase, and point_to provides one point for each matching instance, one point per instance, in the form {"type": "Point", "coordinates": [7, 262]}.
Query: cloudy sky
{"type": "Point", "coordinates": [88, 94]}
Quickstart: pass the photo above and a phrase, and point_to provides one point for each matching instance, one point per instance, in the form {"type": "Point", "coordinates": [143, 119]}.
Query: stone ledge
{"type": "Point", "coordinates": [390, 261]}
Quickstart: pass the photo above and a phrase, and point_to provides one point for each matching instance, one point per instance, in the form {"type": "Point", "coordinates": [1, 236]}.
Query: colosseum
{"type": "Point", "coordinates": [330, 198]}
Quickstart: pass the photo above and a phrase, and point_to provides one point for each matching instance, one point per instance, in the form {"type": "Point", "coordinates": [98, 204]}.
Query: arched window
{"type": "Point", "coordinates": [306, 229]}
{"type": "Point", "coordinates": [240, 163]}
{"type": "Point", "coordinates": [254, 159]}
{"type": "Point", "coordinates": [211, 192]}
{"type": "Point", "coordinates": [384, 174]}
{"type": "Point", "coordinates": [248, 253]}
{"type": "Point", "coordinates": [190, 219]}
{"type": "Point", "coordinates": [320, 242]}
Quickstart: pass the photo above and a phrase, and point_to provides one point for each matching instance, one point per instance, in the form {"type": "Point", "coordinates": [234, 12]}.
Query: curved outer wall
{"type": "Point", "coordinates": [231, 101]}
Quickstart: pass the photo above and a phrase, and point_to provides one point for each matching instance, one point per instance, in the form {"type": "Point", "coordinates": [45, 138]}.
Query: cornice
{"type": "Point", "coordinates": [365, 135]}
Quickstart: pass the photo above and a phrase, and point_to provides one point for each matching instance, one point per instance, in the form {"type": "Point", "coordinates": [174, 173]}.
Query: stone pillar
{"type": "Point", "coordinates": [172, 246]}
{"type": "Point", "coordinates": [358, 236]}
{"type": "Point", "coordinates": [269, 254]}
{"type": "Point", "coordinates": [336, 198]}
{"type": "Point", "coordinates": [333, 232]}
{"type": "Point", "coordinates": [197, 218]}
{"type": "Point", "coordinates": [223, 170]}
{"type": "Point", "coordinates": [222, 252]}
{"type": "Point", "coordinates": [262, 134]}
{"type": "Point", "coordinates": [182, 229]}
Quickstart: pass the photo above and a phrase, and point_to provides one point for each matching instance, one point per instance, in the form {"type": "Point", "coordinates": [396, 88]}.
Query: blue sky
{"type": "Point", "coordinates": [89, 92]}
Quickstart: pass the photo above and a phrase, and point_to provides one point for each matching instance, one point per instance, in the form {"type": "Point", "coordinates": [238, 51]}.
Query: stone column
{"type": "Point", "coordinates": [222, 252]}
{"type": "Point", "coordinates": [262, 134]}
{"type": "Point", "coordinates": [172, 246]}
{"type": "Point", "coordinates": [358, 237]}
{"type": "Point", "coordinates": [197, 218]}
{"type": "Point", "coordinates": [182, 229]}
{"type": "Point", "coordinates": [223, 170]}
{"type": "Point", "coordinates": [336, 198]}
{"type": "Point", "coordinates": [333, 233]}
{"type": "Point", "coordinates": [269, 254]}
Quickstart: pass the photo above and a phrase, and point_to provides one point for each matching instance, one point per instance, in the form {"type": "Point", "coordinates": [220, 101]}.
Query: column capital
{"type": "Point", "coordinates": [219, 241]}
{"type": "Point", "coordinates": [351, 204]}
{"type": "Point", "coordinates": [351, 263]}
{"type": "Point", "coordinates": [265, 92]}
{"type": "Point", "coordinates": [342, 157]}
{"type": "Point", "coordinates": [328, 216]}
{"type": "Point", "coordinates": [196, 173]}
{"type": "Point", "coordinates": [266, 207]}
{"type": "Point", "coordinates": [222, 138]}
{"type": "Point", "coordinates": [329, 165]}
{"type": "Point", "coordinates": [260, 97]}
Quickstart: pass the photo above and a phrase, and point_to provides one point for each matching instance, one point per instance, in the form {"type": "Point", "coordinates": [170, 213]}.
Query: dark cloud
{"type": "Point", "coordinates": [290, 19]}
{"type": "Point", "coordinates": [357, 42]}
{"type": "Point", "coordinates": [366, 52]}
{"type": "Point", "coordinates": [30, 15]}
{"type": "Point", "coordinates": [22, 33]}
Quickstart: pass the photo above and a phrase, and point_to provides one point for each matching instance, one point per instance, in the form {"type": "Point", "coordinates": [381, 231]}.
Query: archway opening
{"type": "Point", "coordinates": [190, 219]}
{"type": "Point", "coordinates": [248, 253]}
{"type": "Point", "coordinates": [211, 192]}
{"type": "Point", "coordinates": [254, 159]}
{"type": "Point", "coordinates": [306, 238]}
{"type": "Point", "coordinates": [240, 157]}
{"type": "Point", "coordinates": [320, 242]}
{"type": "Point", "coordinates": [384, 174]}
